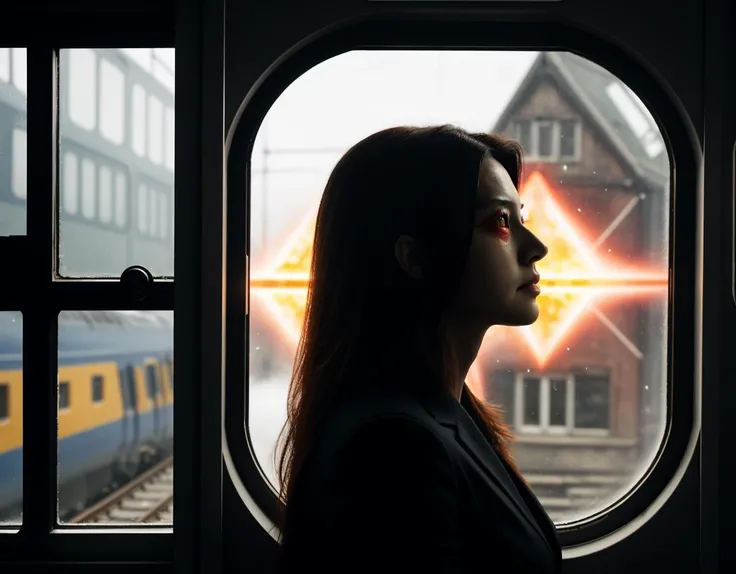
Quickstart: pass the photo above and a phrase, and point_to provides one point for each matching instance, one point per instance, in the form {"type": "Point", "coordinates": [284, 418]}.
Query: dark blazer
{"type": "Point", "coordinates": [395, 483]}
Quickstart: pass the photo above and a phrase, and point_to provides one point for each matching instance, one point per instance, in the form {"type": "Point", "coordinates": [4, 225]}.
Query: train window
{"type": "Point", "coordinates": [584, 388]}
{"type": "Point", "coordinates": [114, 436]}
{"type": "Point", "coordinates": [112, 102]}
{"type": "Point", "coordinates": [105, 187]}
{"type": "Point", "coordinates": [88, 188]}
{"type": "Point", "coordinates": [4, 402]}
{"type": "Point", "coordinates": [151, 382]}
{"type": "Point", "coordinates": [19, 176]}
{"type": "Point", "coordinates": [138, 130]}
{"type": "Point", "coordinates": [64, 401]}
{"type": "Point", "coordinates": [82, 88]}
{"type": "Point", "coordinates": [11, 418]}
{"type": "Point", "coordinates": [121, 199]}
{"type": "Point", "coordinates": [142, 208]}
{"type": "Point", "coordinates": [70, 183]}
{"type": "Point", "coordinates": [98, 389]}
{"type": "Point", "coordinates": [135, 91]}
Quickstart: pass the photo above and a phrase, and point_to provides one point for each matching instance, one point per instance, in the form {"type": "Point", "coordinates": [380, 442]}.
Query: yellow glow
{"type": "Point", "coordinates": [573, 275]}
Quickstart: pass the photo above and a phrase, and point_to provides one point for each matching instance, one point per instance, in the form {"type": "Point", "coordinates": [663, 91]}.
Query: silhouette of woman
{"type": "Point", "coordinates": [389, 462]}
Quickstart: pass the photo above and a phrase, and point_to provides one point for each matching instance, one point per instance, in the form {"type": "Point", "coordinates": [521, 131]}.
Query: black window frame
{"type": "Point", "coordinates": [417, 32]}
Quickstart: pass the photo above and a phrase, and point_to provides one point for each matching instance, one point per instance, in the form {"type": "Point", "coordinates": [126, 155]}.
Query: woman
{"type": "Point", "coordinates": [389, 461]}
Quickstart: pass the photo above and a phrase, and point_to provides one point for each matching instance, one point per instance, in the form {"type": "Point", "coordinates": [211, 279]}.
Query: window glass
{"type": "Point", "coordinates": [111, 435]}
{"type": "Point", "coordinates": [64, 400]}
{"type": "Point", "coordinates": [13, 142]}
{"type": "Point", "coordinates": [153, 212]}
{"type": "Point", "coordinates": [82, 86]}
{"type": "Point", "coordinates": [117, 112]}
{"type": "Point", "coordinates": [11, 418]}
{"type": "Point", "coordinates": [591, 373]}
{"type": "Point", "coordinates": [112, 102]}
{"type": "Point", "coordinates": [567, 138]}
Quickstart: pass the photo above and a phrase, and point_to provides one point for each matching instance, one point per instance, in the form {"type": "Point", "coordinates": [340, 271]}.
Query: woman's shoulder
{"type": "Point", "coordinates": [380, 420]}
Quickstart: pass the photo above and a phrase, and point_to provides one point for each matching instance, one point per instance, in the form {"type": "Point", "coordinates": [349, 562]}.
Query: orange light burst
{"type": "Point", "coordinates": [573, 275]}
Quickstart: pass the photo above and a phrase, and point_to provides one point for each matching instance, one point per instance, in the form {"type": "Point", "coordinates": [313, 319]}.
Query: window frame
{"type": "Point", "coordinates": [40, 293]}
{"type": "Point", "coordinates": [544, 428]}
{"type": "Point", "coordinates": [417, 32]}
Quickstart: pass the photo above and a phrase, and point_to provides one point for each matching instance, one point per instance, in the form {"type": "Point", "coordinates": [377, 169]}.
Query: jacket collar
{"type": "Point", "coordinates": [472, 436]}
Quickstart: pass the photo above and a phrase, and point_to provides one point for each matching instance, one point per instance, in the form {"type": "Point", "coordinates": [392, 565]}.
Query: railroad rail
{"type": "Point", "coordinates": [147, 498]}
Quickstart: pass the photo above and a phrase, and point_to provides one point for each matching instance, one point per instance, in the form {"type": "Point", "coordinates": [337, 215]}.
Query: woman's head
{"type": "Point", "coordinates": [417, 227]}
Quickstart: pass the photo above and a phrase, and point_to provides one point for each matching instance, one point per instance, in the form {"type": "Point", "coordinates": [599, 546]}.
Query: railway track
{"type": "Point", "coordinates": [148, 498]}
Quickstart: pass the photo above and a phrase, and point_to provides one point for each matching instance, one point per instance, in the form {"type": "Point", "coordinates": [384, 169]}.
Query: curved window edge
{"type": "Point", "coordinates": [647, 495]}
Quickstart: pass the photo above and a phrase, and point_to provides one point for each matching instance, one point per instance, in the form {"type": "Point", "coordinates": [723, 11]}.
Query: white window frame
{"type": "Point", "coordinates": [555, 124]}
{"type": "Point", "coordinates": [544, 427]}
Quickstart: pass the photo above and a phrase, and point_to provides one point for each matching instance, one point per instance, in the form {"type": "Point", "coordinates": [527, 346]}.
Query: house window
{"type": "Point", "coordinates": [63, 395]}
{"type": "Point", "coordinates": [554, 404]}
{"type": "Point", "coordinates": [549, 140]}
{"type": "Point", "coordinates": [97, 390]}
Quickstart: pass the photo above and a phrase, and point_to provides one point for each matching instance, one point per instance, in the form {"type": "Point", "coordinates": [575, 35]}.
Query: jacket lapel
{"type": "Point", "coordinates": [474, 441]}
{"type": "Point", "coordinates": [472, 436]}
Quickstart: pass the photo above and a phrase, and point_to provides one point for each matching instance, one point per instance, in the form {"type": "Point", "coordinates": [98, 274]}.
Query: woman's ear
{"type": "Point", "coordinates": [408, 254]}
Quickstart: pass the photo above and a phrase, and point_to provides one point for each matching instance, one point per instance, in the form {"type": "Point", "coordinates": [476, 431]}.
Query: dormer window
{"type": "Point", "coordinates": [550, 140]}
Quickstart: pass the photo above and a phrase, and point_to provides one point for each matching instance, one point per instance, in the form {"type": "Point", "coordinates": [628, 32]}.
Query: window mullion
{"type": "Point", "coordinates": [39, 313]}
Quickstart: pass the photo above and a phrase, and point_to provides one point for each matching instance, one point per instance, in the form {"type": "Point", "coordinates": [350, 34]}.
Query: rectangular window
{"type": "Point", "coordinates": [501, 393]}
{"type": "Point", "coordinates": [105, 411]}
{"type": "Point", "coordinates": [82, 86]}
{"type": "Point", "coordinates": [20, 69]}
{"type": "Point", "coordinates": [152, 382]}
{"type": "Point", "coordinates": [568, 139]}
{"type": "Point", "coordinates": [97, 389]}
{"type": "Point", "coordinates": [63, 395]}
{"type": "Point", "coordinates": [592, 401]}
{"type": "Point", "coordinates": [4, 402]}
{"type": "Point", "coordinates": [114, 113]}
{"type": "Point", "coordinates": [545, 141]}
{"type": "Point", "coordinates": [562, 404]}
{"type": "Point", "coordinates": [531, 398]}
{"type": "Point", "coordinates": [112, 102]}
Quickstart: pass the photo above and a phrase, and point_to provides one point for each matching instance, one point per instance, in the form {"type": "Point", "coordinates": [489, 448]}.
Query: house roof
{"type": "Point", "coordinates": [612, 109]}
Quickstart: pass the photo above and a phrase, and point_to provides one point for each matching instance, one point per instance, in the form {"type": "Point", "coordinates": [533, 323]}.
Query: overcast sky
{"type": "Point", "coordinates": [346, 98]}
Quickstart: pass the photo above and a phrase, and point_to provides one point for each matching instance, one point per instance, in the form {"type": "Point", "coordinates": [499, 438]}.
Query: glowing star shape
{"type": "Point", "coordinates": [573, 275]}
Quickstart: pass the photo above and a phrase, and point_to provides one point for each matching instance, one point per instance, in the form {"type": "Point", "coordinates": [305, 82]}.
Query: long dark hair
{"type": "Point", "coordinates": [366, 320]}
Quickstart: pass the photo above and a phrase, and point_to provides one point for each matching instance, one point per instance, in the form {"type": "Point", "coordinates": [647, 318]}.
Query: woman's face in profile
{"type": "Point", "coordinates": [498, 286]}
